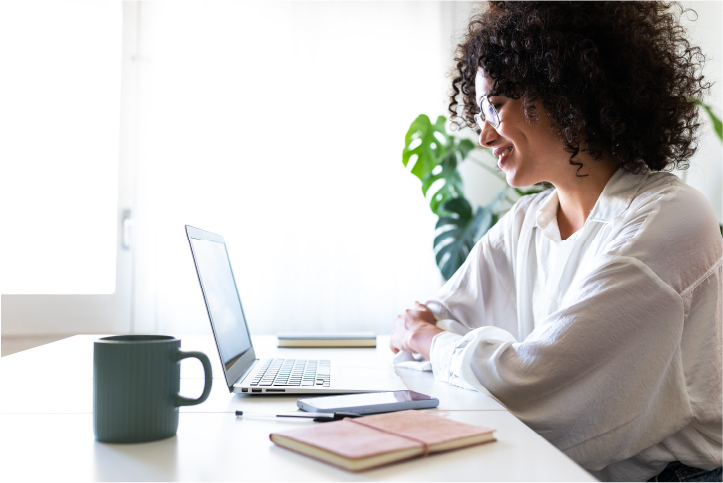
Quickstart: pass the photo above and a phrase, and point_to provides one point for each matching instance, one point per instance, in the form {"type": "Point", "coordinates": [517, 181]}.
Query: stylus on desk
{"type": "Point", "coordinates": [318, 417]}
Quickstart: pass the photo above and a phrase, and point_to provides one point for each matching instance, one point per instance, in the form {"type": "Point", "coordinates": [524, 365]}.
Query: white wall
{"type": "Point", "coordinates": [706, 167]}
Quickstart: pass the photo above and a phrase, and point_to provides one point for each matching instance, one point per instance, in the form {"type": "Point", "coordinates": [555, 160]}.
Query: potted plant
{"type": "Point", "coordinates": [435, 155]}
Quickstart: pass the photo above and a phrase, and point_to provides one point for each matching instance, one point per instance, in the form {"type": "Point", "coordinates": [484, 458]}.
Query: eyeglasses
{"type": "Point", "coordinates": [488, 113]}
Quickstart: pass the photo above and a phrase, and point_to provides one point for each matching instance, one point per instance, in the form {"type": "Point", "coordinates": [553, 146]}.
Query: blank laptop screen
{"type": "Point", "coordinates": [222, 298]}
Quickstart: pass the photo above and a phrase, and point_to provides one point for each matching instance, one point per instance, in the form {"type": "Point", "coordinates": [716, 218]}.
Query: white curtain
{"type": "Point", "coordinates": [280, 125]}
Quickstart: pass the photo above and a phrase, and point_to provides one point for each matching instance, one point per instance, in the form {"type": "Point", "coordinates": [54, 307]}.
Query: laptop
{"type": "Point", "coordinates": [243, 371]}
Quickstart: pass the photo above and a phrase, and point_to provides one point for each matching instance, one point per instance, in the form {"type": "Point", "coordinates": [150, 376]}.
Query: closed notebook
{"type": "Point", "coordinates": [363, 443]}
{"type": "Point", "coordinates": [320, 339]}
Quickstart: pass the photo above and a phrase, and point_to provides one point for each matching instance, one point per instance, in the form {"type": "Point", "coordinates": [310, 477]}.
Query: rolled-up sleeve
{"type": "Point", "coordinates": [577, 379]}
{"type": "Point", "coordinates": [442, 352]}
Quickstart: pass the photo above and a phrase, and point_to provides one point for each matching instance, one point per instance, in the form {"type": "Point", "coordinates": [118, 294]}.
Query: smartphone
{"type": "Point", "coordinates": [368, 403]}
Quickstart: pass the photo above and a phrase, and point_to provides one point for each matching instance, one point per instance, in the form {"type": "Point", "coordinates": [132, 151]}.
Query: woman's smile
{"type": "Point", "coordinates": [502, 153]}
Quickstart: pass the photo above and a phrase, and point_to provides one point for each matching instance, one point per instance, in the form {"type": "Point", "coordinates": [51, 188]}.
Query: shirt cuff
{"type": "Point", "coordinates": [441, 352]}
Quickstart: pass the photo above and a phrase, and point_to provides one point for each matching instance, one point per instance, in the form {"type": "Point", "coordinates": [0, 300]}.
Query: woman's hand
{"type": "Point", "coordinates": [414, 330]}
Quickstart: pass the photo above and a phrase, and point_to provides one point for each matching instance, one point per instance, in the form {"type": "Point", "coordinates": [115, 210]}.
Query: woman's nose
{"type": "Point", "coordinates": [488, 135]}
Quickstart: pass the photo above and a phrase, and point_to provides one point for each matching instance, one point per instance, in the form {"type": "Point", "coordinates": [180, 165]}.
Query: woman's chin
{"type": "Point", "coordinates": [516, 180]}
{"type": "Point", "coordinates": [512, 175]}
{"type": "Point", "coordinates": [512, 180]}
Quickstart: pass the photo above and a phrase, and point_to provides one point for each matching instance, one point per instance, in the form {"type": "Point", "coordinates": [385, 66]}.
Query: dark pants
{"type": "Point", "coordinates": [677, 471]}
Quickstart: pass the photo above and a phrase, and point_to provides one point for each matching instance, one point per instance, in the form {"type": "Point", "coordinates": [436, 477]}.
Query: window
{"type": "Point", "coordinates": [60, 116]}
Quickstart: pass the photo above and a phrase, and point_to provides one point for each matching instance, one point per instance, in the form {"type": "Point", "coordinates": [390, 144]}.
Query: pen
{"type": "Point", "coordinates": [318, 417]}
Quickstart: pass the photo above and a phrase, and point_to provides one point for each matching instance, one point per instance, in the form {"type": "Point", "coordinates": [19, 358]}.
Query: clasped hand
{"type": "Point", "coordinates": [414, 330]}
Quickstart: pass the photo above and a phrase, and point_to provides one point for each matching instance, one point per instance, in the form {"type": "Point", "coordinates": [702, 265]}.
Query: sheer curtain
{"type": "Point", "coordinates": [280, 125]}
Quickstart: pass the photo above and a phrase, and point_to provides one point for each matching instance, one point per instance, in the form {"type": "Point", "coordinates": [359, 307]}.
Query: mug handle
{"type": "Point", "coordinates": [184, 401]}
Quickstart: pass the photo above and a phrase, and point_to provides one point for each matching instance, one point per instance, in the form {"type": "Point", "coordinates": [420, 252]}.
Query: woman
{"type": "Point", "coordinates": [593, 310]}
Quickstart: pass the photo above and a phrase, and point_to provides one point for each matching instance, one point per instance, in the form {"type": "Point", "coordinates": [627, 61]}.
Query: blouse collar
{"type": "Point", "coordinates": [613, 201]}
{"type": "Point", "coordinates": [617, 195]}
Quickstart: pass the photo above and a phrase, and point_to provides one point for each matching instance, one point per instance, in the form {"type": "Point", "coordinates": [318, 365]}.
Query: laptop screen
{"type": "Point", "coordinates": [222, 299]}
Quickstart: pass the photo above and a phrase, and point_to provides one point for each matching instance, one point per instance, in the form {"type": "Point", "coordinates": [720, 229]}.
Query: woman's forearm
{"type": "Point", "coordinates": [421, 340]}
{"type": "Point", "coordinates": [414, 330]}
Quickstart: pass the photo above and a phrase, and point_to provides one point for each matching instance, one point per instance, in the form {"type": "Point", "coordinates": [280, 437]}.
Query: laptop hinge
{"type": "Point", "coordinates": [246, 372]}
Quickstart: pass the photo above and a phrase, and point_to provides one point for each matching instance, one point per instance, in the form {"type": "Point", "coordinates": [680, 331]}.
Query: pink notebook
{"type": "Point", "coordinates": [371, 441]}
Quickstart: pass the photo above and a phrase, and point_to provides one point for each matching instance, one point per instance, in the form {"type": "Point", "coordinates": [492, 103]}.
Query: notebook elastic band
{"type": "Point", "coordinates": [424, 444]}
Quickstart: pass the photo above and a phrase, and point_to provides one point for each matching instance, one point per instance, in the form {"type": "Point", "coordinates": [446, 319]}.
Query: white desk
{"type": "Point", "coordinates": [47, 433]}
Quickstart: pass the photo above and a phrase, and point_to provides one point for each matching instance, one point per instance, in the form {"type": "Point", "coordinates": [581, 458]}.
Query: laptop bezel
{"type": "Point", "coordinates": [236, 368]}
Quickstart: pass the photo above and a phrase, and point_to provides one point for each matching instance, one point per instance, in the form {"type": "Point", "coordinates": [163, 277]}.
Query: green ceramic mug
{"type": "Point", "coordinates": [136, 379]}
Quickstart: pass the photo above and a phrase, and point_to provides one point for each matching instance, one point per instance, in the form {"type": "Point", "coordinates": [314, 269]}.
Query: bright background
{"type": "Point", "coordinates": [279, 125]}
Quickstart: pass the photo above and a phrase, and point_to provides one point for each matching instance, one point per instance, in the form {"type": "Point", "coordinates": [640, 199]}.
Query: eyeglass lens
{"type": "Point", "coordinates": [488, 113]}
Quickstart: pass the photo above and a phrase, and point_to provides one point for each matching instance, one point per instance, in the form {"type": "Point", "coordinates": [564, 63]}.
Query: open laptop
{"type": "Point", "coordinates": [246, 374]}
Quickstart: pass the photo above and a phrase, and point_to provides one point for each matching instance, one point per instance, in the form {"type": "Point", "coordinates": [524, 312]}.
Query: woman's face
{"type": "Point", "coordinates": [527, 151]}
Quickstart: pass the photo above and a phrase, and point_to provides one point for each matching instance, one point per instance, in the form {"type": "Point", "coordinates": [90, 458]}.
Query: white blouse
{"type": "Point", "coordinates": [608, 343]}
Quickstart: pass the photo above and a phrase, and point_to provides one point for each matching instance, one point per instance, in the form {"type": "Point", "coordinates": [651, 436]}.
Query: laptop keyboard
{"type": "Point", "coordinates": [293, 372]}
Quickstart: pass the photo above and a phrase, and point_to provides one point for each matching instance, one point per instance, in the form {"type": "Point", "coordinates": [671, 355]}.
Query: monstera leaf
{"type": "Point", "coordinates": [435, 155]}
{"type": "Point", "coordinates": [458, 230]}
{"type": "Point", "coordinates": [420, 145]}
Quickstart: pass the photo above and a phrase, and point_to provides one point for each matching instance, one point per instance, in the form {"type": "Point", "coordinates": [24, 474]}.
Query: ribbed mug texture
{"type": "Point", "coordinates": [136, 381]}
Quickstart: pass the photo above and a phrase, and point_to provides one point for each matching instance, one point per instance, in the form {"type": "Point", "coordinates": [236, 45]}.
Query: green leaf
{"type": "Point", "coordinates": [452, 244]}
{"type": "Point", "coordinates": [447, 171]}
{"type": "Point", "coordinates": [439, 199]}
{"type": "Point", "coordinates": [451, 257]}
{"type": "Point", "coordinates": [439, 125]}
{"type": "Point", "coordinates": [458, 208]}
{"type": "Point", "coordinates": [464, 147]}
{"type": "Point", "coordinates": [437, 156]}
{"type": "Point", "coordinates": [717, 124]}
{"type": "Point", "coordinates": [452, 188]}
{"type": "Point", "coordinates": [458, 231]}
{"type": "Point", "coordinates": [421, 132]}
{"type": "Point", "coordinates": [480, 225]}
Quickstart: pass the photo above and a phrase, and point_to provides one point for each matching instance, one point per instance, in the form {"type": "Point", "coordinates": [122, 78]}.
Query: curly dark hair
{"type": "Point", "coordinates": [614, 77]}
